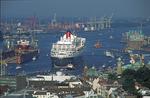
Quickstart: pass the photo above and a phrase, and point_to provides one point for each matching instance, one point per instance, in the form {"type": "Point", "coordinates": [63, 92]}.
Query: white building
{"type": "Point", "coordinates": [59, 76]}
{"type": "Point", "coordinates": [44, 94]}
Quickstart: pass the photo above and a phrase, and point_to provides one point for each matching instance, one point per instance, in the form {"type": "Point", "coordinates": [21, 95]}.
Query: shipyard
{"type": "Point", "coordinates": [72, 49]}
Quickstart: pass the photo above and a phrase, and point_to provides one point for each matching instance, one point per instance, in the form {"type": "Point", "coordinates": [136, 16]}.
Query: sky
{"type": "Point", "coordinates": [75, 8]}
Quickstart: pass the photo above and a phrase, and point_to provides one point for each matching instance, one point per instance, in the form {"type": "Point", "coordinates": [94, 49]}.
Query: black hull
{"type": "Point", "coordinates": [26, 56]}
{"type": "Point", "coordinates": [66, 61]}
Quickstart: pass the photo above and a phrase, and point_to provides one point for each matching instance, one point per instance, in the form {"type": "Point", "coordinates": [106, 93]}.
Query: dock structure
{"type": "Point", "coordinates": [97, 24]}
{"type": "Point", "coordinates": [93, 24]}
{"type": "Point", "coordinates": [100, 24]}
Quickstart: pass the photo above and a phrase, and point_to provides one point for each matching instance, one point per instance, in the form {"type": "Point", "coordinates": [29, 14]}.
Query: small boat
{"type": "Point", "coordinates": [97, 45]}
{"type": "Point", "coordinates": [104, 66]}
{"type": "Point", "coordinates": [18, 67]}
{"type": "Point", "coordinates": [34, 58]}
{"type": "Point", "coordinates": [70, 66]}
{"type": "Point", "coordinates": [109, 54]}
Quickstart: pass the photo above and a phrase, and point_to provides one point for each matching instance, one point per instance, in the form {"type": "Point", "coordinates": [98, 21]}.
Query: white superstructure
{"type": "Point", "coordinates": [68, 46]}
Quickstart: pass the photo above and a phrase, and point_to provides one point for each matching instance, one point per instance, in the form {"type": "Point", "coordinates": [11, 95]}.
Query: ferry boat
{"type": "Point", "coordinates": [68, 46]}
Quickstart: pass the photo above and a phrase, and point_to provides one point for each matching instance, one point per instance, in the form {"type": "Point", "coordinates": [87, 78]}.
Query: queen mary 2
{"type": "Point", "coordinates": [68, 46]}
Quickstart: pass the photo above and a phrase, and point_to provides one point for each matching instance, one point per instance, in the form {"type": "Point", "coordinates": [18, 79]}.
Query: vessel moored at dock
{"type": "Point", "coordinates": [136, 40]}
{"type": "Point", "coordinates": [25, 51]}
{"type": "Point", "coordinates": [21, 48]}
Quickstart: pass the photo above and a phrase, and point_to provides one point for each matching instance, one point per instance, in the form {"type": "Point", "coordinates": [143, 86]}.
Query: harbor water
{"type": "Point", "coordinates": [91, 56]}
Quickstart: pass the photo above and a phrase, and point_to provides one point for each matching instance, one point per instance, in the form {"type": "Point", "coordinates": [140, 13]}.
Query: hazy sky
{"type": "Point", "coordinates": [67, 8]}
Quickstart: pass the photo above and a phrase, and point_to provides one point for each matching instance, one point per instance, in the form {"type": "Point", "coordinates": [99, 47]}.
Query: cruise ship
{"type": "Point", "coordinates": [68, 46]}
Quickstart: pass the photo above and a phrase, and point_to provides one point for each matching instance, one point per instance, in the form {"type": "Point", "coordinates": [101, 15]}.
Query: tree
{"type": "Point", "coordinates": [128, 85]}
{"type": "Point", "coordinates": [129, 73]}
{"type": "Point", "coordinates": [112, 76]}
{"type": "Point", "coordinates": [142, 76]}
{"type": "Point", "coordinates": [128, 79]}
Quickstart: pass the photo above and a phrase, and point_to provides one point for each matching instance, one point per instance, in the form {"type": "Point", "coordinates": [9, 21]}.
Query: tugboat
{"type": "Point", "coordinates": [97, 45]}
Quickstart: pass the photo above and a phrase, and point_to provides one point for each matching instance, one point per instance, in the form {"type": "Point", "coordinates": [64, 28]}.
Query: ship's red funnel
{"type": "Point", "coordinates": [68, 34]}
